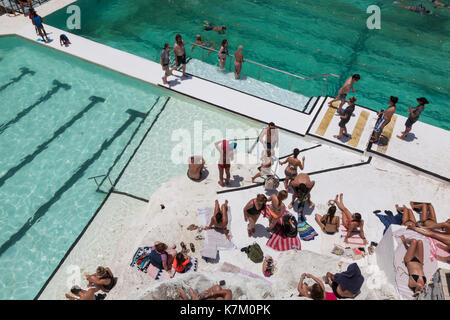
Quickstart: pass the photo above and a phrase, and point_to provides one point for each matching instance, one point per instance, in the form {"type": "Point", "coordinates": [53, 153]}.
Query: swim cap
{"type": "Point", "coordinates": [233, 145]}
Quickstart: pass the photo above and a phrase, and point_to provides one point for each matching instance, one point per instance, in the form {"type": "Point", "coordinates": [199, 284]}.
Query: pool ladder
{"type": "Point", "coordinates": [101, 176]}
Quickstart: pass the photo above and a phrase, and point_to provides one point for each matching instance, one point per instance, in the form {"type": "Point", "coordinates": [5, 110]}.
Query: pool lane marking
{"type": "Point", "coordinates": [23, 72]}
{"type": "Point", "coordinates": [326, 120]}
{"type": "Point", "coordinates": [387, 132]}
{"type": "Point", "coordinates": [29, 158]}
{"type": "Point", "coordinates": [359, 128]}
{"type": "Point", "coordinates": [43, 209]}
{"type": "Point", "coordinates": [56, 86]}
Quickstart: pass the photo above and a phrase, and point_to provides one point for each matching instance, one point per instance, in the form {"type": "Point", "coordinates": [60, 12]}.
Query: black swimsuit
{"type": "Point", "coordinates": [253, 211]}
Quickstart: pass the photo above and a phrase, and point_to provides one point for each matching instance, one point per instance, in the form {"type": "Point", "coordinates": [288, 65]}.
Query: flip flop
{"type": "Point", "coordinates": [191, 245]}
{"type": "Point", "coordinates": [389, 213]}
{"type": "Point", "coordinates": [183, 246]}
{"type": "Point", "coordinates": [192, 227]}
{"type": "Point", "coordinates": [199, 237]}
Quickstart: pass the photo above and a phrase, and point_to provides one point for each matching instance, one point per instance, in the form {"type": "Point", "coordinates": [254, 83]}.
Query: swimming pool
{"type": "Point", "coordinates": [63, 120]}
{"type": "Point", "coordinates": [407, 58]}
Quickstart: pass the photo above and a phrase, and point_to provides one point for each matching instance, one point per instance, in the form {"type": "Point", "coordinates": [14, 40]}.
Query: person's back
{"type": "Point", "coordinates": [331, 224]}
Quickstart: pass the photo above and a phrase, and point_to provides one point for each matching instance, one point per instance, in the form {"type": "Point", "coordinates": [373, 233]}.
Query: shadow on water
{"type": "Point", "coordinates": [56, 86]}
{"type": "Point", "coordinates": [42, 210]}
{"type": "Point", "coordinates": [23, 72]}
{"type": "Point", "coordinates": [29, 158]}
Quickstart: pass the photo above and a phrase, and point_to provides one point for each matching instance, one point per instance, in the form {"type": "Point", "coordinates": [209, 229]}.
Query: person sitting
{"type": "Point", "coordinates": [291, 170]}
{"type": "Point", "coordinates": [214, 293]}
{"type": "Point", "coordinates": [329, 223]}
{"type": "Point", "coordinates": [408, 218]}
{"type": "Point", "coordinates": [196, 166]}
{"type": "Point", "coordinates": [427, 214]}
{"type": "Point", "coordinates": [76, 291]}
{"type": "Point", "coordinates": [181, 263]}
{"type": "Point", "coordinates": [276, 209]}
{"type": "Point", "coordinates": [265, 169]}
{"type": "Point", "coordinates": [414, 262]}
{"type": "Point", "coordinates": [302, 186]}
{"type": "Point", "coordinates": [63, 40]}
{"type": "Point", "coordinates": [252, 212]}
{"type": "Point", "coordinates": [316, 291]}
{"type": "Point", "coordinates": [103, 279]}
{"type": "Point", "coordinates": [352, 222]}
{"type": "Point", "coordinates": [346, 284]}
{"type": "Point", "coordinates": [220, 218]}
{"type": "Point", "coordinates": [160, 257]}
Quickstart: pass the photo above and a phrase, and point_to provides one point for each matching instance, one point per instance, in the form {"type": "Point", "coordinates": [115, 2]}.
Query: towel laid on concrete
{"type": "Point", "coordinates": [354, 240]}
{"type": "Point", "coordinates": [305, 231]}
{"type": "Point", "coordinates": [436, 251]}
{"type": "Point", "coordinates": [388, 220]}
{"type": "Point", "coordinates": [215, 239]}
{"type": "Point", "coordinates": [402, 275]}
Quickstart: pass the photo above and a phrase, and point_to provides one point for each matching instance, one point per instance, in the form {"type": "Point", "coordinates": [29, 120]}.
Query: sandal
{"type": "Point", "coordinates": [191, 245]}
{"type": "Point", "coordinates": [192, 227]}
{"type": "Point", "coordinates": [199, 237]}
{"type": "Point", "coordinates": [183, 246]}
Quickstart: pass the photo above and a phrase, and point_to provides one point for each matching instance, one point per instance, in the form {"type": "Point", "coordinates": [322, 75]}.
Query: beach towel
{"type": "Point", "coordinates": [388, 220]}
{"type": "Point", "coordinates": [215, 240]}
{"type": "Point", "coordinates": [436, 251]}
{"type": "Point", "coordinates": [306, 232]}
{"type": "Point", "coordinates": [402, 275]}
{"type": "Point", "coordinates": [231, 268]}
{"type": "Point", "coordinates": [161, 274]}
{"type": "Point", "coordinates": [141, 259]}
{"type": "Point", "coordinates": [354, 240]}
{"type": "Point", "coordinates": [278, 241]}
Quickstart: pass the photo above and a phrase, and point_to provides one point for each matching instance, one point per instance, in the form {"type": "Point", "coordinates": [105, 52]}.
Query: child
{"type": "Point", "coordinates": [37, 21]}
{"type": "Point", "coordinates": [345, 118]}
{"type": "Point", "coordinates": [63, 40]}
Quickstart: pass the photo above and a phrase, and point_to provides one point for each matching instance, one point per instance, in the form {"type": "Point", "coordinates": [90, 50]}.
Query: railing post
{"type": "Point", "coordinates": [324, 85]}
{"type": "Point", "coordinates": [259, 72]}
{"type": "Point", "coordinates": [202, 54]}
{"type": "Point", "coordinates": [290, 82]}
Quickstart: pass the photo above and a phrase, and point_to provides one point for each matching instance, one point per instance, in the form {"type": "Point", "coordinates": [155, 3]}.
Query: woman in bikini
{"type": "Point", "coordinates": [408, 218]}
{"type": "Point", "coordinates": [220, 218]}
{"type": "Point", "coordinates": [276, 209]}
{"type": "Point", "coordinates": [352, 222]}
{"type": "Point", "coordinates": [253, 210]}
{"type": "Point", "coordinates": [239, 59]}
{"type": "Point", "coordinates": [103, 279]}
{"type": "Point", "coordinates": [329, 223]}
{"type": "Point", "coordinates": [414, 262]}
{"type": "Point", "coordinates": [223, 52]}
{"type": "Point", "coordinates": [291, 170]}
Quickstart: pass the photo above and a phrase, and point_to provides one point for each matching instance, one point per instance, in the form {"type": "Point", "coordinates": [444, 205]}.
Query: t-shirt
{"type": "Point", "coordinates": [417, 111]}
{"type": "Point", "coordinates": [37, 21]}
{"type": "Point", "coordinates": [165, 57]}
{"type": "Point", "coordinates": [348, 112]}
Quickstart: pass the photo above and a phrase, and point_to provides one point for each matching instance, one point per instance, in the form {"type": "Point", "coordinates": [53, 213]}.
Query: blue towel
{"type": "Point", "coordinates": [388, 220]}
{"type": "Point", "coordinates": [305, 231]}
{"type": "Point", "coordinates": [350, 280]}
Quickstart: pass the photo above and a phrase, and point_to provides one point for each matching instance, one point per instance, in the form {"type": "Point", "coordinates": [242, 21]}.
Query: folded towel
{"type": "Point", "coordinates": [305, 231]}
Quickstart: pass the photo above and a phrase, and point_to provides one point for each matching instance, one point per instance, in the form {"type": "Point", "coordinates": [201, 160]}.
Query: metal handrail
{"type": "Point", "coordinates": [291, 75]}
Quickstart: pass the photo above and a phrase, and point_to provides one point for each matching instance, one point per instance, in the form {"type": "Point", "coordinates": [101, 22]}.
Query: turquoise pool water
{"type": "Point", "coordinates": [63, 120]}
{"type": "Point", "coordinates": [303, 37]}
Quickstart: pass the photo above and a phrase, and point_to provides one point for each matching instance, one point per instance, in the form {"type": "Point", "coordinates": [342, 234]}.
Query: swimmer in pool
{"type": "Point", "coordinates": [208, 26]}
{"type": "Point", "coordinates": [420, 8]}
{"type": "Point", "coordinates": [210, 45]}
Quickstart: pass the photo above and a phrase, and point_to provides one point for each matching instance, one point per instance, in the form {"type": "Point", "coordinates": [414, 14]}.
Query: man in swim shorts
{"type": "Point", "coordinates": [196, 165]}
{"type": "Point", "coordinates": [342, 94]}
{"type": "Point", "coordinates": [269, 138]}
{"type": "Point", "coordinates": [226, 149]}
{"type": "Point", "coordinates": [345, 118]}
{"type": "Point", "coordinates": [302, 186]}
{"type": "Point", "coordinates": [180, 53]}
{"type": "Point", "coordinates": [164, 61]}
{"type": "Point", "coordinates": [414, 115]}
{"type": "Point", "coordinates": [384, 117]}
{"type": "Point", "coordinates": [208, 26]}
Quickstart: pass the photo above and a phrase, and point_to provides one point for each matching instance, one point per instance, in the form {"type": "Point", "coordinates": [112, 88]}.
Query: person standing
{"type": "Point", "coordinates": [384, 117]}
{"type": "Point", "coordinates": [414, 115]}
{"type": "Point", "coordinates": [342, 94]}
{"type": "Point", "coordinates": [345, 118]}
{"type": "Point", "coordinates": [37, 21]}
{"type": "Point", "coordinates": [226, 149]}
{"type": "Point", "coordinates": [223, 52]}
{"type": "Point", "coordinates": [239, 59]}
{"type": "Point", "coordinates": [291, 170]}
{"type": "Point", "coordinates": [269, 137]}
{"type": "Point", "coordinates": [164, 60]}
{"type": "Point", "coordinates": [180, 53]}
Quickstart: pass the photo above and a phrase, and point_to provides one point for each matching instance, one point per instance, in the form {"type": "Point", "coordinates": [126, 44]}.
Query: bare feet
{"type": "Point", "coordinates": [337, 137]}
{"type": "Point", "coordinates": [290, 205]}
{"type": "Point", "coordinates": [400, 137]}
{"type": "Point", "coordinates": [402, 237]}
{"type": "Point", "coordinates": [221, 183]}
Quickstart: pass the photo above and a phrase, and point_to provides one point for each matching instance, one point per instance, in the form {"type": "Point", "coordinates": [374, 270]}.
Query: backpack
{"type": "Point", "coordinates": [271, 183]}
{"type": "Point", "coordinates": [289, 226]}
{"type": "Point", "coordinates": [255, 253]}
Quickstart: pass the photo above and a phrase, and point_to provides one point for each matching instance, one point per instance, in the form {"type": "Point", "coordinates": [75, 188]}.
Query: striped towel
{"type": "Point", "coordinates": [436, 251]}
{"type": "Point", "coordinates": [306, 232]}
{"type": "Point", "coordinates": [354, 239]}
{"type": "Point", "coordinates": [278, 241]}
{"type": "Point", "coordinates": [141, 259]}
